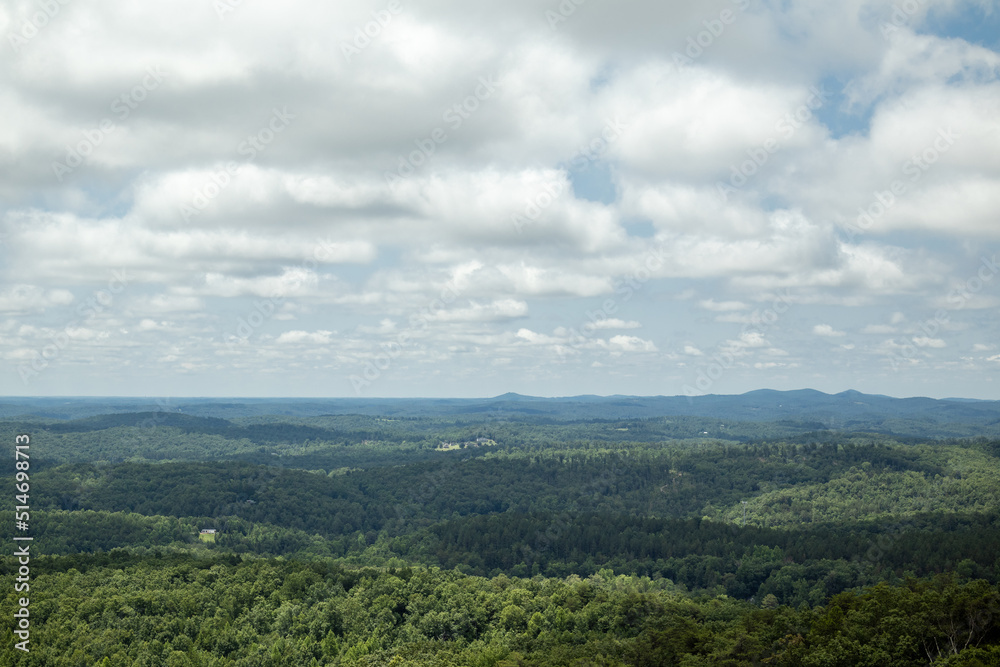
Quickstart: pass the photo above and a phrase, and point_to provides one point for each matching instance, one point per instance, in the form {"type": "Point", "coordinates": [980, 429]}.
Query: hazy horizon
{"type": "Point", "coordinates": [471, 398]}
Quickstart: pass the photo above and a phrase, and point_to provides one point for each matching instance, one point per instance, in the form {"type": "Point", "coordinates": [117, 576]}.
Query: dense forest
{"type": "Point", "coordinates": [372, 540]}
{"type": "Point", "coordinates": [123, 610]}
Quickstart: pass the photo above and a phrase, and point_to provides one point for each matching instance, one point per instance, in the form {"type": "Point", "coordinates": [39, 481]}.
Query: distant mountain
{"type": "Point", "coordinates": [848, 410]}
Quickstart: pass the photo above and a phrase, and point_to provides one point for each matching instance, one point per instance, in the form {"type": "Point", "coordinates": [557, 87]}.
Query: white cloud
{"type": "Point", "coordinates": [615, 323]}
{"type": "Point", "coordinates": [504, 309]}
{"type": "Point", "coordinates": [292, 282]}
{"type": "Point", "coordinates": [26, 298]}
{"type": "Point", "coordinates": [827, 331]}
{"type": "Point", "coordinates": [533, 337]}
{"type": "Point", "coordinates": [630, 344]}
{"type": "Point", "coordinates": [924, 341]}
{"type": "Point", "coordinates": [724, 306]}
{"type": "Point", "coordinates": [166, 303]}
{"type": "Point", "coordinates": [541, 281]}
{"type": "Point", "coordinates": [150, 325]}
{"type": "Point", "coordinates": [699, 118]}
{"type": "Point", "coordinates": [312, 338]}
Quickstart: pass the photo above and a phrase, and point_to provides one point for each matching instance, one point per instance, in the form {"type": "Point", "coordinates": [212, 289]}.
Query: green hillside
{"type": "Point", "coordinates": [368, 540]}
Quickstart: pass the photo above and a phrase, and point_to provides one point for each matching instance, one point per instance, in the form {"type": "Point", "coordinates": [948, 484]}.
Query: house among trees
{"type": "Point", "coordinates": [208, 531]}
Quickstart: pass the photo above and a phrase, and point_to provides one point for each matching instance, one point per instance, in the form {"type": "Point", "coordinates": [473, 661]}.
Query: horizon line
{"type": "Point", "coordinates": [479, 398]}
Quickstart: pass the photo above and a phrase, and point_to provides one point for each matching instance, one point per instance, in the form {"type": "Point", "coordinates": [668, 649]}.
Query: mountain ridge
{"type": "Point", "coordinates": [847, 410]}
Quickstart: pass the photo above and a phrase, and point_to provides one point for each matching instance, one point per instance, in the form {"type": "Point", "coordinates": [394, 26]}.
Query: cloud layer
{"type": "Point", "coordinates": [388, 198]}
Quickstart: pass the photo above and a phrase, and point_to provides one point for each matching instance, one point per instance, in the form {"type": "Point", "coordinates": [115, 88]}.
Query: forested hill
{"type": "Point", "coordinates": [846, 411]}
{"type": "Point", "coordinates": [198, 532]}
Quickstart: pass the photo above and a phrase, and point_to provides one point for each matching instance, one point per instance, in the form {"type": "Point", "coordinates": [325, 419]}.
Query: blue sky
{"type": "Point", "coordinates": [396, 199]}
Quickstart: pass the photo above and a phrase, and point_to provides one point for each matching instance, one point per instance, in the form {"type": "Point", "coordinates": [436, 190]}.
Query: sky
{"type": "Point", "coordinates": [393, 198]}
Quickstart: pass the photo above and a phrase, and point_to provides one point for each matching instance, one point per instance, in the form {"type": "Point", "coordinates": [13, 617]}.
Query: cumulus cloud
{"type": "Point", "coordinates": [477, 182]}
{"type": "Point", "coordinates": [505, 309]}
{"type": "Point", "coordinates": [310, 337]}
{"type": "Point", "coordinates": [615, 323]}
{"type": "Point", "coordinates": [24, 298]}
{"type": "Point", "coordinates": [827, 331]}
{"type": "Point", "coordinates": [630, 344]}
{"type": "Point", "coordinates": [924, 341]}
